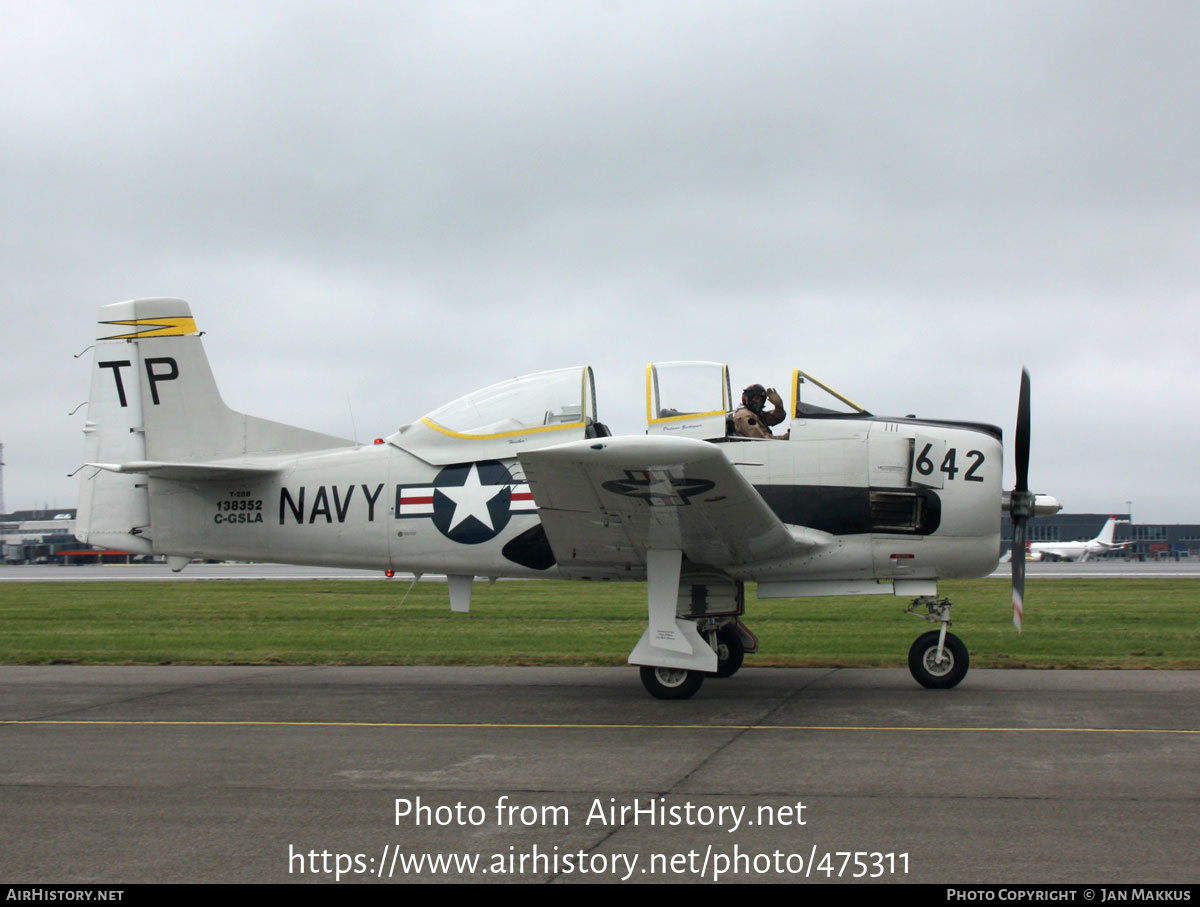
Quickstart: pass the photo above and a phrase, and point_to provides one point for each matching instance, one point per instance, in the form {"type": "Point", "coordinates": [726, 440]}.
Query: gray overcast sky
{"type": "Point", "coordinates": [380, 206]}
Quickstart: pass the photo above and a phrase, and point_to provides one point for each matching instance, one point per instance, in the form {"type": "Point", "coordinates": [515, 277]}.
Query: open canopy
{"type": "Point", "coordinates": [687, 399]}
{"type": "Point", "coordinates": [498, 421]}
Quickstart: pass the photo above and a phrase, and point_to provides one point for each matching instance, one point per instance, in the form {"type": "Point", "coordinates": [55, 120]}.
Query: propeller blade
{"type": "Point", "coordinates": [1021, 445]}
{"type": "Point", "coordinates": [1018, 572]}
{"type": "Point", "coordinates": [1021, 502]}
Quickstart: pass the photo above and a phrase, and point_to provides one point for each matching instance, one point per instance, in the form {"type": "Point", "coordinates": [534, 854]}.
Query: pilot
{"type": "Point", "coordinates": [751, 422]}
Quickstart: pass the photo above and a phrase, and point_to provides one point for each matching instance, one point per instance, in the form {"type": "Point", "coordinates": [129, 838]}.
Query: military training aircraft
{"type": "Point", "coordinates": [1079, 551]}
{"type": "Point", "coordinates": [520, 479]}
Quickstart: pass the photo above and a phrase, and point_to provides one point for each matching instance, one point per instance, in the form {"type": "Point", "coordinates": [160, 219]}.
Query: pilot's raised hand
{"type": "Point", "coordinates": [773, 396]}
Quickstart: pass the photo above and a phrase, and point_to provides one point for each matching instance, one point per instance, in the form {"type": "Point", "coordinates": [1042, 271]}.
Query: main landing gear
{"type": "Point", "coordinates": [681, 683]}
{"type": "Point", "coordinates": [937, 660]}
{"type": "Point", "coordinates": [693, 629]}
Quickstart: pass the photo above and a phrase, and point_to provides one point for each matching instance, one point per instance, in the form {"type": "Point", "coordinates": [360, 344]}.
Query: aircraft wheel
{"type": "Point", "coordinates": [923, 664]}
{"type": "Point", "coordinates": [671, 683]}
{"type": "Point", "coordinates": [730, 652]}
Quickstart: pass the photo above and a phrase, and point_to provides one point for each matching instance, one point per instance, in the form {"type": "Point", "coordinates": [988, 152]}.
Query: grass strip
{"type": "Point", "coordinates": [1070, 623]}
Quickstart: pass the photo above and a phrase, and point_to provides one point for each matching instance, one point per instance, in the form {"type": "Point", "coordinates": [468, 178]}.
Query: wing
{"type": "Point", "coordinates": [605, 502]}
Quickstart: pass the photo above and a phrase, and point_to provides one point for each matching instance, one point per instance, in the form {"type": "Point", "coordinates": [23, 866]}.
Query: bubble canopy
{"type": "Point", "coordinates": [533, 411]}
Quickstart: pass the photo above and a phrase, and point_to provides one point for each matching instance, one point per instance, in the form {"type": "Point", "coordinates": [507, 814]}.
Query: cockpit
{"type": "Point", "coordinates": [695, 399]}
{"type": "Point", "coordinates": [685, 399]}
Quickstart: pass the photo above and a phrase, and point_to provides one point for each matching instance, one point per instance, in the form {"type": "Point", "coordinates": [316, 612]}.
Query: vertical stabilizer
{"type": "Point", "coordinates": [153, 398]}
{"type": "Point", "coordinates": [1106, 534]}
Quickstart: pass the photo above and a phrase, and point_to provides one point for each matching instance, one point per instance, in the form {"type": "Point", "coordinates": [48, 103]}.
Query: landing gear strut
{"type": "Point", "coordinates": [937, 660]}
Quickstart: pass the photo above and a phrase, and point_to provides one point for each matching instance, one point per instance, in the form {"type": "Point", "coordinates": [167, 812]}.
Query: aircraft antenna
{"type": "Point", "coordinates": [2, 510]}
{"type": "Point", "coordinates": [353, 427]}
{"type": "Point", "coordinates": [416, 579]}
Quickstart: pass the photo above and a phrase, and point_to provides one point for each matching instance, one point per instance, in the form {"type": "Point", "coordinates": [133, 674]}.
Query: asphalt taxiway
{"type": "Point", "coordinates": [260, 774]}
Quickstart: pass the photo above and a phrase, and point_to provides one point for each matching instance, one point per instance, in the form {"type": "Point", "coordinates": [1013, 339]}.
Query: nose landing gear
{"type": "Point", "coordinates": [937, 660]}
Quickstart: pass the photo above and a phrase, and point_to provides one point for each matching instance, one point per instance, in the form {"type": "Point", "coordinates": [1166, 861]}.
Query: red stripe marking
{"type": "Point", "coordinates": [428, 500]}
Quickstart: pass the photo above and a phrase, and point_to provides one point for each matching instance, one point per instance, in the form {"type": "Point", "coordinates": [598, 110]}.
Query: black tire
{"type": "Point", "coordinates": [927, 672]}
{"type": "Point", "coordinates": [671, 683]}
{"type": "Point", "coordinates": [731, 652]}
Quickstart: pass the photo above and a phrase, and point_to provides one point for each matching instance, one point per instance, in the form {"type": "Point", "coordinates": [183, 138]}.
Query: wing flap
{"type": "Point", "coordinates": [605, 502]}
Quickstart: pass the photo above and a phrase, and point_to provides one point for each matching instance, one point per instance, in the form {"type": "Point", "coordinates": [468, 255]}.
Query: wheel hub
{"type": "Point", "coordinates": [936, 667]}
{"type": "Point", "coordinates": [670, 677]}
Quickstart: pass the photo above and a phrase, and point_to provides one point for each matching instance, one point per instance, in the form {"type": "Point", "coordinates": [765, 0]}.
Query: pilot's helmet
{"type": "Point", "coordinates": [754, 397]}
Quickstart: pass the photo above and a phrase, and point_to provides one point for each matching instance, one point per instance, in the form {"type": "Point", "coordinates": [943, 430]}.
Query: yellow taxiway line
{"type": "Point", "coordinates": [614, 727]}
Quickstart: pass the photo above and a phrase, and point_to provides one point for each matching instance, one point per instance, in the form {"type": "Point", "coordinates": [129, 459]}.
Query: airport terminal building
{"type": "Point", "coordinates": [37, 536]}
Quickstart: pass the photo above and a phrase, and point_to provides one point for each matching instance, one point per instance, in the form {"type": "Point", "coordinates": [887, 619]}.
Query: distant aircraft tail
{"type": "Point", "coordinates": [155, 411]}
{"type": "Point", "coordinates": [1106, 533]}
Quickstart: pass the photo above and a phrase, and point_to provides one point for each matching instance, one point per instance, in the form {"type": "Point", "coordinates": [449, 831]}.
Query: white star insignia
{"type": "Point", "coordinates": [471, 499]}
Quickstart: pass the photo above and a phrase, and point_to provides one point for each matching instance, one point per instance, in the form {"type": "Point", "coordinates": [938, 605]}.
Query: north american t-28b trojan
{"type": "Point", "coordinates": [521, 479]}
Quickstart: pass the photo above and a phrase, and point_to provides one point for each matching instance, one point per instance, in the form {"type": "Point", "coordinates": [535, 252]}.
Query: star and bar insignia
{"type": "Point", "coordinates": [658, 487]}
{"type": "Point", "coordinates": [469, 503]}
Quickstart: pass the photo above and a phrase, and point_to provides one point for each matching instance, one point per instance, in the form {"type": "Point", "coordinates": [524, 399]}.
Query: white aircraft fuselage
{"type": "Point", "coordinates": [380, 507]}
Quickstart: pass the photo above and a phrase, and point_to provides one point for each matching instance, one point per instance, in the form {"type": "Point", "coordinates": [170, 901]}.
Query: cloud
{"type": "Point", "coordinates": [382, 206]}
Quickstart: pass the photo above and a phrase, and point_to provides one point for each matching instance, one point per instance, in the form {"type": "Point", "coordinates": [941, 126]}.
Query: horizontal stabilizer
{"type": "Point", "coordinates": [189, 472]}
